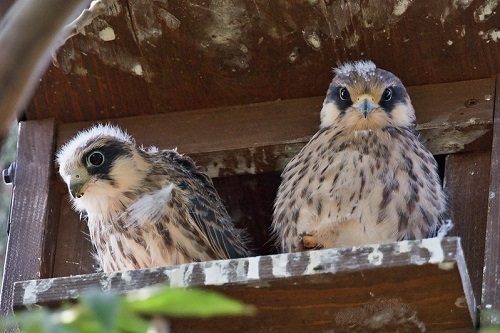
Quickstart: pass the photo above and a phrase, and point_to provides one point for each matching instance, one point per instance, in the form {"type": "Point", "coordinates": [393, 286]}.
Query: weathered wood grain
{"type": "Point", "coordinates": [491, 278]}
{"type": "Point", "coordinates": [263, 137]}
{"type": "Point", "coordinates": [30, 208]}
{"type": "Point", "coordinates": [467, 179]}
{"type": "Point", "coordinates": [185, 55]}
{"type": "Point", "coordinates": [414, 284]}
{"type": "Point", "coordinates": [74, 250]}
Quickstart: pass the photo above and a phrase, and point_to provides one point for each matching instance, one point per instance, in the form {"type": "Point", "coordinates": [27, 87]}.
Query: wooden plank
{"type": "Point", "coordinates": [30, 208]}
{"type": "Point", "coordinates": [263, 137]}
{"type": "Point", "coordinates": [370, 287]}
{"type": "Point", "coordinates": [73, 254]}
{"type": "Point", "coordinates": [185, 55]}
{"type": "Point", "coordinates": [491, 277]}
{"type": "Point", "coordinates": [467, 179]}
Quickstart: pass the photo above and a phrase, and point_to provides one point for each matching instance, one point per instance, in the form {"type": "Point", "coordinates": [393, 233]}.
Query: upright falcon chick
{"type": "Point", "coordinates": [145, 208]}
{"type": "Point", "coordinates": [364, 177]}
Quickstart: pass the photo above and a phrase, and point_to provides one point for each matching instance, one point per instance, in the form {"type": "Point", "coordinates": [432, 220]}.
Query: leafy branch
{"type": "Point", "coordinates": [103, 312]}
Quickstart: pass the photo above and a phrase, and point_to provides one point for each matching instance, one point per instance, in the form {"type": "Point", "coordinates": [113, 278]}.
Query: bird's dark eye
{"type": "Point", "coordinates": [95, 159]}
{"type": "Point", "coordinates": [344, 94]}
{"type": "Point", "coordinates": [387, 95]}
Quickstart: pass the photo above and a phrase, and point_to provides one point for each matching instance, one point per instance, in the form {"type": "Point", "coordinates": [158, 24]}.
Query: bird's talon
{"type": "Point", "coordinates": [309, 242]}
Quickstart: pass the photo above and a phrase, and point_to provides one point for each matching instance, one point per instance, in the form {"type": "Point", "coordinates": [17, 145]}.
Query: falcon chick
{"type": "Point", "coordinates": [145, 208]}
{"type": "Point", "coordinates": [364, 177]}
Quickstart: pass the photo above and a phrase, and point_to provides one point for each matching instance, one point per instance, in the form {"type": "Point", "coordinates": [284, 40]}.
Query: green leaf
{"type": "Point", "coordinates": [185, 303]}
{"type": "Point", "coordinates": [489, 330]}
{"type": "Point", "coordinates": [35, 321]}
{"type": "Point", "coordinates": [489, 318]}
{"type": "Point", "coordinates": [132, 323]}
{"type": "Point", "coordinates": [103, 308]}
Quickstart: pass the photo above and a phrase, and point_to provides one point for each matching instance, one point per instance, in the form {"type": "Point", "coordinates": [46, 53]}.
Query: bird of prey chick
{"type": "Point", "coordinates": [364, 177]}
{"type": "Point", "coordinates": [144, 207]}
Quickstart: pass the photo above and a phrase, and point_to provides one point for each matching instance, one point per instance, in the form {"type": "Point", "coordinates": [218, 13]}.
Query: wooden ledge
{"type": "Point", "coordinates": [414, 284]}
{"type": "Point", "coordinates": [255, 138]}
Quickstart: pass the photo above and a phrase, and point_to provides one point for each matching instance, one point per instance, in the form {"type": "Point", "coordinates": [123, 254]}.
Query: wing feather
{"type": "Point", "coordinates": [207, 210]}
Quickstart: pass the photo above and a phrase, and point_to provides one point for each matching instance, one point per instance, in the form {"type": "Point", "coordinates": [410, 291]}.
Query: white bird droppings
{"type": "Point", "coordinates": [446, 266]}
{"type": "Point", "coordinates": [176, 276]}
{"type": "Point", "coordinates": [33, 288]}
{"type": "Point", "coordinates": [280, 262]}
{"type": "Point", "coordinates": [216, 274]}
{"type": "Point", "coordinates": [402, 247]}
{"type": "Point", "coordinates": [253, 268]}
{"type": "Point", "coordinates": [401, 6]}
{"type": "Point", "coordinates": [375, 257]}
{"type": "Point", "coordinates": [433, 245]}
{"type": "Point", "coordinates": [107, 34]}
{"type": "Point", "coordinates": [312, 40]}
{"type": "Point", "coordinates": [137, 69]}
{"type": "Point", "coordinates": [485, 11]}
{"type": "Point", "coordinates": [314, 262]}
{"type": "Point", "coordinates": [106, 281]}
{"type": "Point", "coordinates": [30, 293]}
{"type": "Point", "coordinates": [490, 35]}
{"type": "Point", "coordinates": [461, 302]}
{"type": "Point", "coordinates": [126, 277]}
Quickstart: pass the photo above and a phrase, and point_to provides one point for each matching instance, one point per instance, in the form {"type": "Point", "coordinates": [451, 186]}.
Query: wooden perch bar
{"type": "Point", "coordinates": [417, 285]}
{"type": "Point", "coordinates": [249, 139]}
{"type": "Point", "coordinates": [491, 272]}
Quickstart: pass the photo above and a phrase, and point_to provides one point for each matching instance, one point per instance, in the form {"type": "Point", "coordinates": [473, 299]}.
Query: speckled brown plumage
{"type": "Point", "coordinates": [364, 177]}
{"type": "Point", "coordinates": [144, 207]}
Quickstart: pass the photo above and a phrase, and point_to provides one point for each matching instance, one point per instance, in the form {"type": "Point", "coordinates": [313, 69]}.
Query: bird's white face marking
{"type": "Point", "coordinates": [329, 114]}
{"type": "Point", "coordinates": [363, 97]}
{"type": "Point", "coordinates": [99, 166]}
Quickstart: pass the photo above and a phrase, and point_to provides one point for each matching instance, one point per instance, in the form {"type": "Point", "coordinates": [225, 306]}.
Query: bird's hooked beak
{"type": "Point", "coordinates": [365, 104]}
{"type": "Point", "coordinates": [77, 184]}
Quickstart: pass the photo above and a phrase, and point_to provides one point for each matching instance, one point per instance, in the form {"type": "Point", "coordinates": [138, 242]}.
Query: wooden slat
{"type": "Point", "coordinates": [30, 206]}
{"type": "Point", "coordinates": [467, 179]}
{"type": "Point", "coordinates": [200, 54]}
{"type": "Point", "coordinates": [73, 254]}
{"type": "Point", "coordinates": [491, 278]}
{"type": "Point", "coordinates": [368, 288]}
{"type": "Point", "coordinates": [263, 137]}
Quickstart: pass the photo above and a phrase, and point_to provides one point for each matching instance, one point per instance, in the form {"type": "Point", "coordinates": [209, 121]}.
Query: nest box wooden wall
{"type": "Point", "coordinates": [238, 85]}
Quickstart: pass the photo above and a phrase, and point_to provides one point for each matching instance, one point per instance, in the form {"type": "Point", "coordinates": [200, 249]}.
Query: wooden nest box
{"type": "Point", "coordinates": [238, 86]}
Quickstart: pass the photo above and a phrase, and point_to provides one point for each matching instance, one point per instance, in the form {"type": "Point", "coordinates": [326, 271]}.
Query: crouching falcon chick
{"type": "Point", "coordinates": [364, 177]}
{"type": "Point", "coordinates": [145, 208]}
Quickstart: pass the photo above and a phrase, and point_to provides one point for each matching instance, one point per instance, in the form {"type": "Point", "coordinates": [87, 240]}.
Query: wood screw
{"type": "Point", "coordinates": [8, 174]}
{"type": "Point", "coordinates": [470, 103]}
